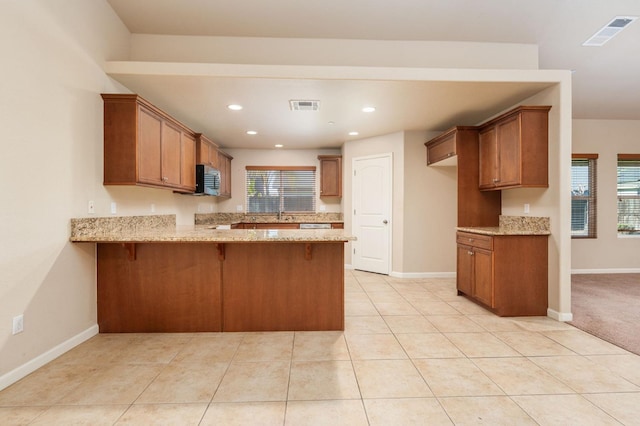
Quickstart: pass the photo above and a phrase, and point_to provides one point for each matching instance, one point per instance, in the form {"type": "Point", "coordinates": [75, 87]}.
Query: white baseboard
{"type": "Point", "coordinates": [423, 274]}
{"type": "Point", "coordinates": [607, 271]}
{"type": "Point", "coordinates": [559, 316]}
{"type": "Point", "coordinates": [348, 266]}
{"type": "Point", "coordinates": [29, 367]}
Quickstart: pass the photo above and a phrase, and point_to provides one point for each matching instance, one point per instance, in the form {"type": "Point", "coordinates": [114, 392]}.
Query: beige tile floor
{"type": "Point", "coordinates": [412, 352]}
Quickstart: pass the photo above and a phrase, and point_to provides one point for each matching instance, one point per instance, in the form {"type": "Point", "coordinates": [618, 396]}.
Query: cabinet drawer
{"type": "Point", "coordinates": [475, 240]}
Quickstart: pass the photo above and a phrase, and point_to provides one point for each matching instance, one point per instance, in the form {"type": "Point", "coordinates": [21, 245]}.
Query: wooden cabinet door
{"type": "Point", "coordinates": [330, 176]}
{"type": "Point", "coordinates": [488, 158]}
{"type": "Point", "coordinates": [509, 158]}
{"type": "Point", "coordinates": [188, 162]}
{"type": "Point", "coordinates": [224, 165]}
{"type": "Point", "coordinates": [149, 147]}
{"type": "Point", "coordinates": [206, 151]}
{"type": "Point", "coordinates": [483, 276]}
{"type": "Point", "coordinates": [213, 157]}
{"type": "Point", "coordinates": [171, 152]}
{"type": "Point", "coordinates": [464, 269]}
{"type": "Point", "coordinates": [202, 154]}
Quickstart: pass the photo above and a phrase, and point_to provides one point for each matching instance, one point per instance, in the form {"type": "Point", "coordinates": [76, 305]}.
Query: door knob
{"type": "Point", "coordinates": [385, 221]}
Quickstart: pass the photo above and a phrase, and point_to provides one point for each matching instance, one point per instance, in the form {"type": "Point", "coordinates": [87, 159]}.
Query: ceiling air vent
{"type": "Point", "coordinates": [610, 30]}
{"type": "Point", "coordinates": [304, 105]}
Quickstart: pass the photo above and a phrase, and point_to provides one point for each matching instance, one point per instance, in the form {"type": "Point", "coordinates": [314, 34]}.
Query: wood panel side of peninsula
{"type": "Point", "coordinates": [213, 287]}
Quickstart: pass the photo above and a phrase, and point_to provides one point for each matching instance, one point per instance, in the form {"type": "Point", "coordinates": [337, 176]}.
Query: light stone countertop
{"type": "Point", "coordinates": [141, 229]}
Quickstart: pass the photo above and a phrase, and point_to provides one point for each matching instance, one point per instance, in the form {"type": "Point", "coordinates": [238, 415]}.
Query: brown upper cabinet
{"type": "Point", "coordinates": [514, 151]}
{"type": "Point", "coordinates": [224, 165]}
{"type": "Point", "coordinates": [330, 175]}
{"type": "Point", "coordinates": [441, 150]}
{"type": "Point", "coordinates": [145, 146]}
{"type": "Point", "coordinates": [206, 151]}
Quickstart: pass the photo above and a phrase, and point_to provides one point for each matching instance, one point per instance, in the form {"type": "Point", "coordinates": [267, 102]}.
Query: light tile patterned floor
{"type": "Point", "coordinates": [413, 352]}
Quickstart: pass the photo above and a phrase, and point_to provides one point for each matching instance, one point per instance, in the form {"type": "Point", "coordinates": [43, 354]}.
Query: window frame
{"type": "Point", "coordinates": [281, 191]}
{"type": "Point", "coordinates": [591, 200]}
{"type": "Point", "coordinates": [625, 232]}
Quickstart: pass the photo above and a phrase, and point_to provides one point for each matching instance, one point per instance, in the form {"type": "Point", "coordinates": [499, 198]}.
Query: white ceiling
{"type": "Point", "coordinates": [605, 82]}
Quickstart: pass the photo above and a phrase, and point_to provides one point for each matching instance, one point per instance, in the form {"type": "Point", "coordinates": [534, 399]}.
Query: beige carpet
{"type": "Point", "coordinates": [608, 306]}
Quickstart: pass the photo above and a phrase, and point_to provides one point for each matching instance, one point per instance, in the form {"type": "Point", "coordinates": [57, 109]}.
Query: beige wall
{"type": "Point", "coordinates": [430, 213]}
{"type": "Point", "coordinates": [382, 53]}
{"type": "Point", "coordinates": [273, 157]}
{"type": "Point", "coordinates": [607, 253]}
{"type": "Point", "coordinates": [50, 115]}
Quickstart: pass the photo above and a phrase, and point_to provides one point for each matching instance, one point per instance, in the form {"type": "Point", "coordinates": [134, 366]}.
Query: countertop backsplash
{"type": "Point", "coordinates": [514, 225]}
{"type": "Point", "coordinates": [529, 223]}
{"type": "Point", "coordinates": [120, 224]}
{"type": "Point", "coordinates": [229, 218]}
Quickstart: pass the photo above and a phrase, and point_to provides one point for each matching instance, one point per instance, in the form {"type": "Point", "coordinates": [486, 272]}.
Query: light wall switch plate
{"type": "Point", "coordinates": [239, 208]}
{"type": "Point", "coordinates": [18, 324]}
{"type": "Point", "coordinates": [114, 208]}
{"type": "Point", "coordinates": [91, 207]}
{"type": "Point", "coordinates": [526, 208]}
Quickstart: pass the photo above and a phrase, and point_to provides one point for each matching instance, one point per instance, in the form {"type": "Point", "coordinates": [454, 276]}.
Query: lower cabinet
{"type": "Point", "coordinates": [213, 287]}
{"type": "Point", "coordinates": [507, 274]}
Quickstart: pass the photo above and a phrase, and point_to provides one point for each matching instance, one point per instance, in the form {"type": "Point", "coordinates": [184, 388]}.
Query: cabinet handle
{"type": "Point", "coordinates": [495, 180]}
{"type": "Point", "coordinates": [470, 253]}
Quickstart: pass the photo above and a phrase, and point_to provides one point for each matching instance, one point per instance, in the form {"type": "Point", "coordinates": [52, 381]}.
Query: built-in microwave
{"type": "Point", "coordinates": [207, 180]}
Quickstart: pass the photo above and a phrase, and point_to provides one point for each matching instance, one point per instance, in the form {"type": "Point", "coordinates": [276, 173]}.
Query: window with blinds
{"type": "Point", "coordinates": [628, 194]}
{"type": "Point", "coordinates": [281, 189]}
{"type": "Point", "coordinates": [584, 196]}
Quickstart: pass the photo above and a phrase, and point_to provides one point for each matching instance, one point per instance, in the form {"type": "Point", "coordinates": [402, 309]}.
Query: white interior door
{"type": "Point", "coordinates": [372, 213]}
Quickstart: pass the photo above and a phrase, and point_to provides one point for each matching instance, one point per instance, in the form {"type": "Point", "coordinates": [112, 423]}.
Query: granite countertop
{"type": "Point", "coordinates": [513, 225]}
{"type": "Point", "coordinates": [133, 229]}
{"type": "Point", "coordinates": [231, 218]}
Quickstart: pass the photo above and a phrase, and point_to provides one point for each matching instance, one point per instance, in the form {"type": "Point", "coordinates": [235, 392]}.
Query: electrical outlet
{"type": "Point", "coordinates": [91, 207]}
{"type": "Point", "coordinates": [526, 208]}
{"type": "Point", "coordinates": [239, 208]}
{"type": "Point", "coordinates": [18, 324]}
{"type": "Point", "coordinates": [153, 208]}
{"type": "Point", "coordinates": [113, 208]}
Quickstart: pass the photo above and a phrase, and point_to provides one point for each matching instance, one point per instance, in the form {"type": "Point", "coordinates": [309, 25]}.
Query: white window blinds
{"type": "Point", "coordinates": [628, 194]}
{"type": "Point", "coordinates": [281, 189]}
{"type": "Point", "coordinates": [584, 196]}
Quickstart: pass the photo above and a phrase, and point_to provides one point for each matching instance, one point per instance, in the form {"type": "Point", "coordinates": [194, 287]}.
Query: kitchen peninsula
{"type": "Point", "coordinates": [154, 276]}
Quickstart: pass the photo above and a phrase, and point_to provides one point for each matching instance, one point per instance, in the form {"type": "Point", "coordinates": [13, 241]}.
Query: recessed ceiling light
{"type": "Point", "coordinates": [368, 109]}
{"type": "Point", "coordinates": [609, 31]}
{"type": "Point", "coordinates": [252, 132]}
{"type": "Point", "coordinates": [331, 123]}
{"type": "Point", "coordinates": [353, 133]}
{"type": "Point", "coordinates": [234, 107]}
{"type": "Point", "coordinates": [279, 145]}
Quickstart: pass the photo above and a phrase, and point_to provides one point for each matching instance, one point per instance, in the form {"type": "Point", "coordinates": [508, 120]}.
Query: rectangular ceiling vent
{"type": "Point", "coordinates": [610, 30]}
{"type": "Point", "coordinates": [304, 105]}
